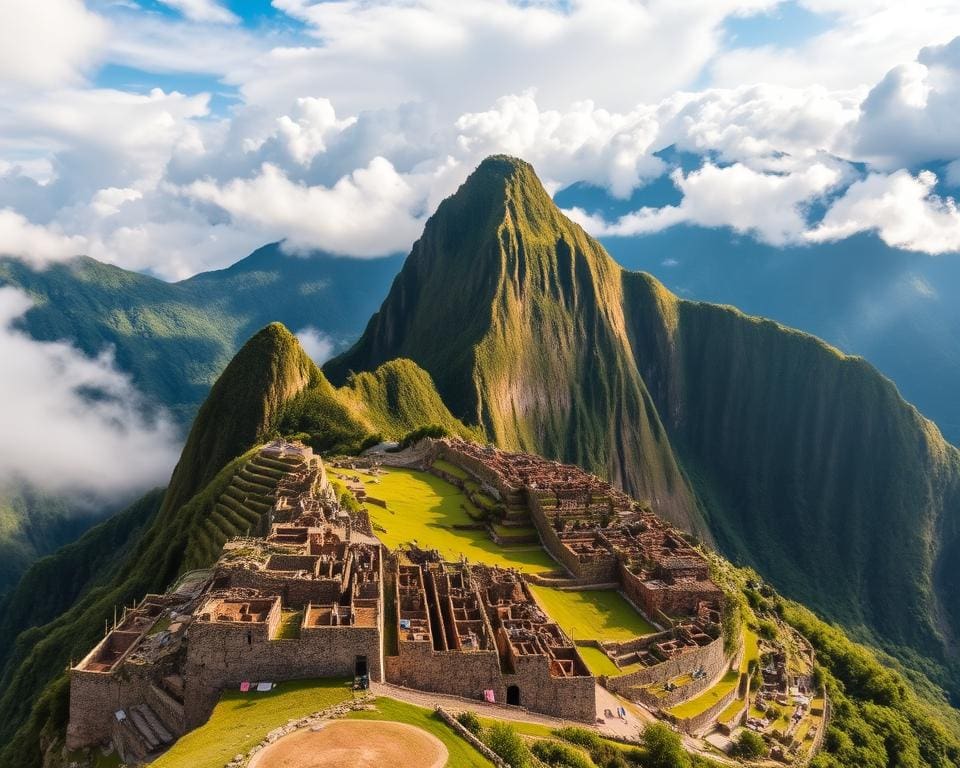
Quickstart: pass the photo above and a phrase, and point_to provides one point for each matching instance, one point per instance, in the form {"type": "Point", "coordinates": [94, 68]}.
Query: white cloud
{"type": "Point", "coordinates": [203, 10]}
{"type": "Point", "coordinates": [901, 208]}
{"type": "Point", "coordinates": [38, 245]}
{"type": "Point", "coordinates": [769, 206]}
{"type": "Point", "coordinates": [316, 343]}
{"type": "Point", "coordinates": [458, 55]}
{"type": "Point", "coordinates": [48, 43]}
{"type": "Point", "coordinates": [912, 115]}
{"type": "Point", "coordinates": [71, 422]}
{"type": "Point", "coordinates": [861, 42]}
{"type": "Point", "coordinates": [306, 133]}
{"type": "Point", "coordinates": [370, 212]}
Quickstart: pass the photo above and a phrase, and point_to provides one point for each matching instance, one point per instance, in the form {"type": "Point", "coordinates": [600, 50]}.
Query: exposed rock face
{"type": "Point", "coordinates": [796, 459]}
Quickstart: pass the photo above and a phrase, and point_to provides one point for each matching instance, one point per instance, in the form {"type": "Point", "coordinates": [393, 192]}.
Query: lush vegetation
{"type": "Point", "coordinates": [176, 338]}
{"type": "Point", "coordinates": [34, 523]}
{"type": "Point", "coordinates": [54, 583]}
{"type": "Point", "coordinates": [877, 717]}
{"type": "Point", "coordinates": [397, 399]}
{"type": "Point", "coordinates": [241, 720]}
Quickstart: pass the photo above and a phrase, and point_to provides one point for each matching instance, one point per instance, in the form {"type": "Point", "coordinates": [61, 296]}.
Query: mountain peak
{"type": "Point", "coordinates": [242, 407]}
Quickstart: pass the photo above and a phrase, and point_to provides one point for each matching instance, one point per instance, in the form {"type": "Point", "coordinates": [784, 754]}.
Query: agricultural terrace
{"type": "Point", "coordinates": [593, 614]}
{"type": "Point", "coordinates": [425, 509]}
{"type": "Point", "coordinates": [730, 680]}
{"type": "Point", "coordinates": [240, 721]}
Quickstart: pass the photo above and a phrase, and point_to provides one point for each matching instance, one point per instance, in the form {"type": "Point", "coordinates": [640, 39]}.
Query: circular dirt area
{"type": "Point", "coordinates": [355, 744]}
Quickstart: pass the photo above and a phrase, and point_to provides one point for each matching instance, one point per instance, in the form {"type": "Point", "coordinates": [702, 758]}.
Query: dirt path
{"type": "Point", "coordinates": [355, 744]}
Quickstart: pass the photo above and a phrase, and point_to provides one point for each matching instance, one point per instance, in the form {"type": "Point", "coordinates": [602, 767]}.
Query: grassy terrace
{"type": "Point", "coordinates": [462, 755]}
{"type": "Point", "coordinates": [593, 614]}
{"type": "Point", "coordinates": [241, 720]}
{"type": "Point", "coordinates": [708, 698]}
{"type": "Point", "coordinates": [423, 508]}
{"type": "Point", "coordinates": [598, 662]}
{"type": "Point", "coordinates": [452, 469]}
{"type": "Point", "coordinates": [731, 679]}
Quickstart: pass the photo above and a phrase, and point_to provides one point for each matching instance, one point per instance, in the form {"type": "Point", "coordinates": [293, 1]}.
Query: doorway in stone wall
{"type": "Point", "coordinates": [360, 666]}
{"type": "Point", "coordinates": [513, 695]}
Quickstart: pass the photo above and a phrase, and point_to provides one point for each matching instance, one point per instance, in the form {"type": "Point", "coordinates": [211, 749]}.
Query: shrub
{"type": "Point", "coordinates": [503, 740]}
{"type": "Point", "coordinates": [431, 430]}
{"type": "Point", "coordinates": [664, 748]}
{"type": "Point", "coordinates": [471, 722]}
{"type": "Point", "coordinates": [558, 755]}
{"type": "Point", "coordinates": [749, 746]}
{"type": "Point", "coordinates": [603, 754]}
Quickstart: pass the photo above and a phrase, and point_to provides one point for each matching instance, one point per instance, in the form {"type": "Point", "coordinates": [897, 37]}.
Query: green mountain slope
{"type": "Point", "coordinates": [518, 316]}
{"type": "Point", "coordinates": [149, 546]}
{"type": "Point", "coordinates": [804, 463]}
{"type": "Point", "coordinates": [175, 338]}
{"type": "Point", "coordinates": [817, 472]}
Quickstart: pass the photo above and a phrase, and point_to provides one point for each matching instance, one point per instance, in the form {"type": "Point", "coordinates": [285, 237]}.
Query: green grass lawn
{"type": "Point", "coordinates": [452, 469]}
{"type": "Point", "coordinates": [732, 709]}
{"type": "Point", "coordinates": [241, 720]}
{"type": "Point", "coordinates": [751, 649]}
{"type": "Point", "coordinates": [423, 508]}
{"type": "Point", "coordinates": [593, 614]}
{"type": "Point", "coordinates": [462, 755]}
{"type": "Point", "coordinates": [708, 698]}
{"type": "Point", "coordinates": [598, 662]}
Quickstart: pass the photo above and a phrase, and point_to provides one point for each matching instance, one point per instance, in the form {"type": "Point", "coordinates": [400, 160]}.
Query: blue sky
{"type": "Point", "coordinates": [173, 136]}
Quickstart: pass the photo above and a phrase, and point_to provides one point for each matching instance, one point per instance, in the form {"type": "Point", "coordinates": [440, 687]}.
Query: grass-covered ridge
{"type": "Point", "coordinates": [516, 315]}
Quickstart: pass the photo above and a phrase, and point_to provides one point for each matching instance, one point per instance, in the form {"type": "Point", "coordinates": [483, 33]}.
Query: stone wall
{"type": "Point", "coordinates": [94, 697]}
{"type": "Point", "coordinates": [711, 657]}
{"type": "Point", "coordinates": [295, 592]}
{"type": "Point", "coordinates": [570, 698]}
{"type": "Point", "coordinates": [221, 656]}
{"type": "Point", "coordinates": [458, 673]}
{"type": "Point", "coordinates": [693, 725]}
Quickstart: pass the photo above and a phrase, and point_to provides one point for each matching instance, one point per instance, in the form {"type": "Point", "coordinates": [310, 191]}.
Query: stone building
{"type": "Point", "coordinates": [477, 632]}
{"type": "Point", "coordinates": [303, 601]}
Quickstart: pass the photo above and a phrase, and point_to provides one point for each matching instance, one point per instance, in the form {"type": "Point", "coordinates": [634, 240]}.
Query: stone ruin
{"type": "Point", "coordinates": [317, 595]}
{"type": "Point", "coordinates": [476, 631]}
{"type": "Point", "coordinates": [303, 601]}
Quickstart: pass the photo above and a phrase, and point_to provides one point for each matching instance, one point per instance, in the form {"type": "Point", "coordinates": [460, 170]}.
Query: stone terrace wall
{"type": "Point", "coordinates": [458, 673]}
{"type": "Point", "coordinates": [711, 657]}
{"type": "Point", "coordinates": [219, 657]}
{"type": "Point", "coordinates": [693, 725]}
{"type": "Point", "coordinates": [94, 697]}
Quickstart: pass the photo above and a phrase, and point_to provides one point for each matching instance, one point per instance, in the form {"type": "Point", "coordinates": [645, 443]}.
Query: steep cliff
{"type": "Point", "coordinates": [518, 316]}
{"type": "Point", "coordinates": [803, 462]}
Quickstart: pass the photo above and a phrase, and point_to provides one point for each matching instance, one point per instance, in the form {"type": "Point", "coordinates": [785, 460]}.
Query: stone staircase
{"type": "Point", "coordinates": [141, 734]}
